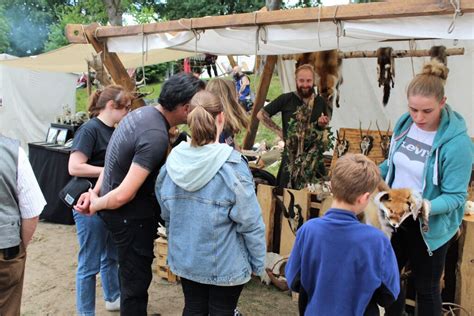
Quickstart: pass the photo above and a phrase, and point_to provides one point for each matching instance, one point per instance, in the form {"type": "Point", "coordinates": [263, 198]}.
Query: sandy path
{"type": "Point", "coordinates": [49, 287]}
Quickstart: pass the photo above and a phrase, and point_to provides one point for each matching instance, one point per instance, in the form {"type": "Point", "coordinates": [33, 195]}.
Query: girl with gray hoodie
{"type": "Point", "coordinates": [216, 235]}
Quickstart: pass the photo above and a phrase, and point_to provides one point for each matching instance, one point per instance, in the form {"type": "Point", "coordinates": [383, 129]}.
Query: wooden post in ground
{"type": "Point", "coordinates": [262, 91]}
{"type": "Point", "coordinates": [113, 63]}
{"type": "Point", "coordinates": [231, 61]}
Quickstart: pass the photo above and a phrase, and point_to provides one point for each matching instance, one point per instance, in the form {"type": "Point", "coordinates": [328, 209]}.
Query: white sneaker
{"type": "Point", "coordinates": [113, 306]}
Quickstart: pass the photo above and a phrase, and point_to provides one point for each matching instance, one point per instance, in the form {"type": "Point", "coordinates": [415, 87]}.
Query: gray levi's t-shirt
{"type": "Point", "coordinates": [410, 158]}
{"type": "Point", "coordinates": [140, 138]}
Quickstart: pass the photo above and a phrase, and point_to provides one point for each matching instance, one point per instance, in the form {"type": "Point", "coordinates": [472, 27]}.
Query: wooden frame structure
{"type": "Point", "coordinates": [97, 35]}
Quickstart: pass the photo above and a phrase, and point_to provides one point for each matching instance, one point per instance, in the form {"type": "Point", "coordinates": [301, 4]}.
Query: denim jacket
{"type": "Point", "coordinates": [216, 233]}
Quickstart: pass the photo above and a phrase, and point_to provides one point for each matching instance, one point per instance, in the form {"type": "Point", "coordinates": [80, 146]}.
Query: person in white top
{"type": "Point", "coordinates": [21, 203]}
{"type": "Point", "coordinates": [430, 153]}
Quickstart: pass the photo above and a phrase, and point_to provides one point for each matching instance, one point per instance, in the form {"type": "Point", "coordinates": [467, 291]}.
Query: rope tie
{"type": "Point", "coordinates": [412, 47]}
{"type": "Point", "coordinates": [319, 23]}
{"type": "Point", "coordinates": [457, 12]}
{"type": "Point", "coordinates": [144, 42]}
{"type": "Point", "coordinates": [338, 26]}
{"type": "Point", "coordinates": [84, 33]}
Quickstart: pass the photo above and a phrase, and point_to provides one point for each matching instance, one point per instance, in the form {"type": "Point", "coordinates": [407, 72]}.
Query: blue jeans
{"type": "Point", "coordinates": [97, 253]}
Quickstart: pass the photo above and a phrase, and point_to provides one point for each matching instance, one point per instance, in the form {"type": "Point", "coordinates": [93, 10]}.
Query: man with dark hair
{"type": "Point", "coordinates": [124, 193]}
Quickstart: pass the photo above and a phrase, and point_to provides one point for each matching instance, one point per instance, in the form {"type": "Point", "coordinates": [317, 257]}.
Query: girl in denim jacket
{"type": "Point", "coordinates": [215, 229]}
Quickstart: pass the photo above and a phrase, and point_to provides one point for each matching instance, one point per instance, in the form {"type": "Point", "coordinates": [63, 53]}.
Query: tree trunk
{"type": "Point", "coordinates": [114, 11]}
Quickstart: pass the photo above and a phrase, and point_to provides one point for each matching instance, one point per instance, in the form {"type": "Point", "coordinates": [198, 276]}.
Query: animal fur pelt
{"type": "Point", "coordinates": [328, 68]}
{"type": "Point", "coordinates": [439, 53]}
{"type": "Point", "coordinates": [275, 271]}
{"type": "Point", "coordinates": [396, 205]}
{"type": "Point", "coordinates": [100, 73]}
{"type": "Point", "coordinates": [386, 71]}
{"type": "Point", "coordinates": [389, 208]}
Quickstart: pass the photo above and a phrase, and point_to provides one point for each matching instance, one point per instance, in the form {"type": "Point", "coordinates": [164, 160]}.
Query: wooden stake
{"type": "Point", "coordinates": [262, 91]}
{"type": "Point", "coordinates": [113, 64]}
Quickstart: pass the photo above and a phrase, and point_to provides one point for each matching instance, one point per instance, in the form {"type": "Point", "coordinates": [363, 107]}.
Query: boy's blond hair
{"type": "Point", "coordinates": [352, 176]}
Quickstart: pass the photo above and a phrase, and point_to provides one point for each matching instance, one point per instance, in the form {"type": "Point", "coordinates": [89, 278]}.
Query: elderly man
{"type": "Point", "coordinates": [21, 203]}
{"type": "Point", "coordinates": [287, 104]}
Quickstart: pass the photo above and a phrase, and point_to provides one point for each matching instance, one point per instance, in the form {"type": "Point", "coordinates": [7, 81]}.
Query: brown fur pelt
{"type": "Point", "coordinates": [439, 53]}
{"type": "Point", "coordinates": [388, 208]}
{"type": "Point", "coordinates": [396, 205]}
{"type": "Point", "coordinates": [328, 68]}
{"type": "Point", "coordinates": [386, 71]}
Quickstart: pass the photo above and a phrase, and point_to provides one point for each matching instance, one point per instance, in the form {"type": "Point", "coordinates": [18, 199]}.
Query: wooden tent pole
{"type": "Point", "coordinates": [262, 91]}
{"type": "Point", "coordinates": [401, 53]}
{"type": "Point", "coordinates": [231, 61]}
{"type": "Point", "coordinates": [113, 64]}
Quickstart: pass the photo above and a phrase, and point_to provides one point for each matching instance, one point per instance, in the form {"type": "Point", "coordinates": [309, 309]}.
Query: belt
{"type": "Point", "coordinates": [11, 252]}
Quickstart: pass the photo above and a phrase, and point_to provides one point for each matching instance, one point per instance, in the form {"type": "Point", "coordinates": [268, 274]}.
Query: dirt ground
{"type": "Point", "coordinates": [49, 287]}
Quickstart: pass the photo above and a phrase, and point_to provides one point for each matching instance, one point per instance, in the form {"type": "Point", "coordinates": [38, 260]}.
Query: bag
{"type": "Point", "coordinates": [72, 191]}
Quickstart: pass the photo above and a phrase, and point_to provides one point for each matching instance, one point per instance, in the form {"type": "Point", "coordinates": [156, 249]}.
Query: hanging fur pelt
{"type": "Point", "coordinates": [386, 71]}
{"type": "Point", "coordinates": [327, 66]}
{"type": "Point", "coordinates": [439, 53]}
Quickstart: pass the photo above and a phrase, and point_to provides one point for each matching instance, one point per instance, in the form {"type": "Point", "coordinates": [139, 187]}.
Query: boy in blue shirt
{"type": "Point", "coordinates": [339, 265]}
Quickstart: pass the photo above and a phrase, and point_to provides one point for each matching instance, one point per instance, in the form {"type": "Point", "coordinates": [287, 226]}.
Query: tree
{"type": "Point", "coordinates": [177, 9]}
{"type": "Point", "coordinates": [4, 31]}
{"type": "Point", "coordinates": [114, 11]}
{"type": "Point", "coordinates": [28, 22]}
{"type": "Point", "coordinates": [83, 12]}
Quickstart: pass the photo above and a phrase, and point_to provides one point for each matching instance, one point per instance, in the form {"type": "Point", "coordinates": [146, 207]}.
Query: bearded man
{"type": "Point", "coordinates": [287, 104]}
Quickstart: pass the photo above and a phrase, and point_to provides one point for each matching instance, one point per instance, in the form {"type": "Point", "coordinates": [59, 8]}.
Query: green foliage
{"type": "Point", "coordinates": [153, 73]}
{"type": "Point", "coordinates": [305, 147]}
{"type": "Point", "coordinates": [85, 12]}
{"type": "Point", "coordinates": [28, 22]}
{"type": "Point", "coordinates": [4, 30]}
{"type": "Point", "coordinates": [178, 9]}
{"type": "Point", "coordinates": [143, 14]}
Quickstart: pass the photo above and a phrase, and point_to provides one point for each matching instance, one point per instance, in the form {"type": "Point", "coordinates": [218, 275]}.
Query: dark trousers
{"type": "Point", "coordinates": [204, 299]}
{"type": "Point", "coordinates": [12, 272]}
{"type": "Point", "coordinates": [214, 67]}
{"type": "Point", "coordinates": [427, 270]}
{"type": "Point", "coordinates": [134, 239]}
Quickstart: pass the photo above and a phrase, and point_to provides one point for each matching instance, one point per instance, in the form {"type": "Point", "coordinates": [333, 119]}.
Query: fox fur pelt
{"type": "Point", "coordinates": [439, 53]}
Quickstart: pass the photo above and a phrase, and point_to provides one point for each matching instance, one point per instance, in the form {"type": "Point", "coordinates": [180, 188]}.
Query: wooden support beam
{"type": "Point", "coordinates": [231, 61]}
{"type": "Point", "coordinates": [401, 53]}
{"type": "Point", "coordinates": [112, 62]}
{"type": "Point", "coordinates": [374, 10]}
{"type": "Point", "coordinates": [262, 91]}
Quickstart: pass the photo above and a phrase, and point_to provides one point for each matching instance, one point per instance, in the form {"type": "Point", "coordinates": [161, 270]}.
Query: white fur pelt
{"type": "Point", "coordinates": [274, 262]}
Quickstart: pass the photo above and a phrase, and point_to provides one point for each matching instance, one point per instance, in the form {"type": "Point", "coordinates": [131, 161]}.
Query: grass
{"type": "Point", "coordinates": [263, 133]}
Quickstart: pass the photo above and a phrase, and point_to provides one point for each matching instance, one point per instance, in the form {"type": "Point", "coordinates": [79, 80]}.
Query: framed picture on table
{"type": "Point", "coordinates": [52, 135]}
{"type": "Point", "coordinates": [62, 136]}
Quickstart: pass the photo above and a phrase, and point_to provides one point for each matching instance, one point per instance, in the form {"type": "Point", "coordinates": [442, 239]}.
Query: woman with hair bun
{"type": "Point", "coordinates": [430, 153]}
{"type": "Point", "coordinates": [236, 119]}
{"type": "Point", "coordinates": [215, 229]}
{"type": "Point", "coordinates": [97, 252]}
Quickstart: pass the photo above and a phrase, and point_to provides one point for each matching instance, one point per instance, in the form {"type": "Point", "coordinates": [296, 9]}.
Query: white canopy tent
{"type": "Point", "coordinates": [360, 94]}
{"type": "Point", "coordinates": [31, 99]}
{"type": "Point", "coordinates": [35, 89]}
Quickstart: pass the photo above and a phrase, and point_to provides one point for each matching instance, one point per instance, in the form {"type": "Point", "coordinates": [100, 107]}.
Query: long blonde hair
{"type": "Point", "coordinates": [202, 119]}
{"type": "Point", "coordinates": [235, 117]}
{"type": "Point", "coordinates": [430, 82]}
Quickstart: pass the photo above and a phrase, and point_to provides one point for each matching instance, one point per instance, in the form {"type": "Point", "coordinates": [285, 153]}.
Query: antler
{"type": "Point", "coordinates": [378, 128]}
